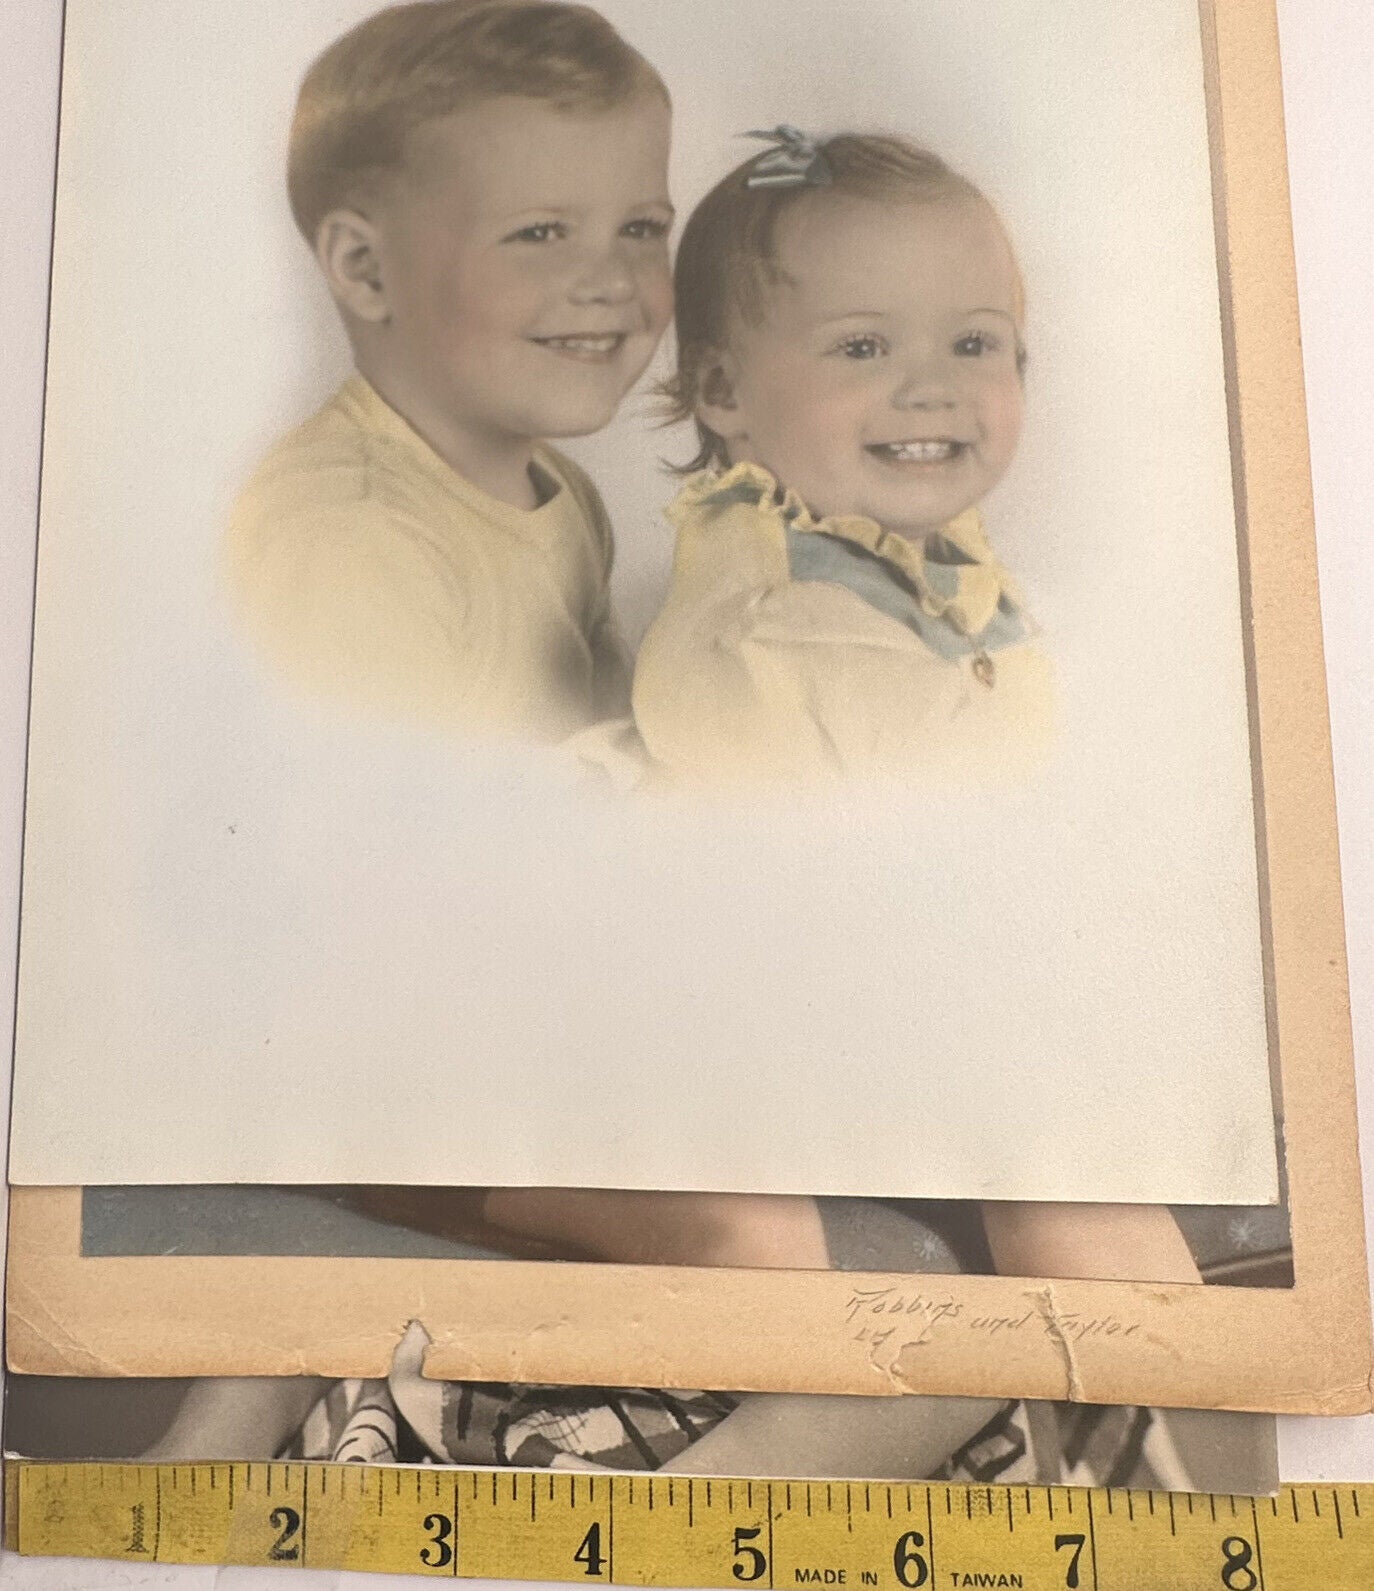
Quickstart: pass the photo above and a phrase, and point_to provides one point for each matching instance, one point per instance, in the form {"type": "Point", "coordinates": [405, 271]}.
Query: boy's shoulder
{"type": "Point", "coordinates": [356, 466]}
{"type": "Point", "coordinates": [333, 467]}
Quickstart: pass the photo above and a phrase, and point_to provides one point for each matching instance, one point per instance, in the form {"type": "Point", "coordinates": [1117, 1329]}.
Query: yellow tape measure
{"type": "Point", "coordinates": [662, 1531]}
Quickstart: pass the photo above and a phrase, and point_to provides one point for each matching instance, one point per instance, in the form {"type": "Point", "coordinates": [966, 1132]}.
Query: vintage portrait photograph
{"type": "Point", "coordinates": [822, 729]}
{"type": "Point", "coordinates": [646, 690]}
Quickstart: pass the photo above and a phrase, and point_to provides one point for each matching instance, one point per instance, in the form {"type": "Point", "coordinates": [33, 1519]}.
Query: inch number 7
{"type": "Point", "coordinates": [1076, 1542]}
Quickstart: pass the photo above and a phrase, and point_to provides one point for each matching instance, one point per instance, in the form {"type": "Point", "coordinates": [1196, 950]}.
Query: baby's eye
{"type": "Point", "coordinates": [539, 232]}
{"type": "Point", "coordinates": [973, 344]}
{"type": "Point", "coordinates": [861, 347]}
{"type": "Point", "coordinates": [647, 229]}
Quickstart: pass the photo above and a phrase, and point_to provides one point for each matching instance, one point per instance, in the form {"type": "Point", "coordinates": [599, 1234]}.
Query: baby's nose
{"type": "Point", "coordinates": [926, 388]}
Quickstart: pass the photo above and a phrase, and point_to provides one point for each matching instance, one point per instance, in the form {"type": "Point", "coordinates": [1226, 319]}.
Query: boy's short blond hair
{"type": "Point", "coordinates": [412, 64]}
{"type": "Point", "coordinates": [726, 265]}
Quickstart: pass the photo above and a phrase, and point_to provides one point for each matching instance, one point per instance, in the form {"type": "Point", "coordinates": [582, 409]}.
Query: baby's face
{"type": "Point", "coordinates": [524, 252]}
{"type": "Point", "coordinates": [883, 379]}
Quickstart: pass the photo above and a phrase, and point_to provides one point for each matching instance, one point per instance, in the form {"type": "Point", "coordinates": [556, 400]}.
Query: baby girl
{"type": "Point", "coordinates": [850, 331]}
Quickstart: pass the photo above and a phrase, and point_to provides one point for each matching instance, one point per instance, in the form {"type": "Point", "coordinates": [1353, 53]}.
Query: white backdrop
{"type": "Point", "coordinates": [1329, 55]}
{"type": "Point", "coordinates": [238, 914]}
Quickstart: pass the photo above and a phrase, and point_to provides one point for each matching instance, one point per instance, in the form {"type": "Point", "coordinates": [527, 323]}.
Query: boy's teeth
{"type": "Point", "coordinates": [584, 345]}
{"type": "Point", "coordinates": [917, 452]}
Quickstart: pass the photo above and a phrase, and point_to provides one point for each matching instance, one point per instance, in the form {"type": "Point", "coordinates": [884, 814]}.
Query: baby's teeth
{"type": "Point", "coordinates": [921, 452]}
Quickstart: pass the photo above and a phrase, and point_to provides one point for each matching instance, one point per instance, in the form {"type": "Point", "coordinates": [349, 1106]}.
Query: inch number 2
{"type": "Point", "coordinates": [288, 1521]}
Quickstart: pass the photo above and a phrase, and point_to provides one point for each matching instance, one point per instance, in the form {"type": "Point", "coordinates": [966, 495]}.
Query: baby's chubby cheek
{"type": "Point", "coordinates": [1003, 416]}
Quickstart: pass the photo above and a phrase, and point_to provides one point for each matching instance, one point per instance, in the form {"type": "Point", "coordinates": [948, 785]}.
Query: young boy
{"type": "Point", "coordinates": [484, 186]}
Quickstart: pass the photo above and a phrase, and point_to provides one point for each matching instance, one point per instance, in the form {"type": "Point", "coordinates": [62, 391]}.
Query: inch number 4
{"type": "Point", "coordinates": [589, 1553]}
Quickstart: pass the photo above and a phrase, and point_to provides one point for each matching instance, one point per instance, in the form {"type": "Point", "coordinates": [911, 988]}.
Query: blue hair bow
{"type": "Point", "coordinates": [795, 161]}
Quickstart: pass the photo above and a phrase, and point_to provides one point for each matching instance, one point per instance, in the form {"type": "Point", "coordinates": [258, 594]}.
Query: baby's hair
{"type": "Point", "coordinates": [726, 262]}
{"type": "Point", "coordinates": [411, 64]}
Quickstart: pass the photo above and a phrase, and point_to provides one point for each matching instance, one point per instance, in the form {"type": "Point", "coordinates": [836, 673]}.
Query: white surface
{"type": "Point", "coordinates": [238, 915]}
{"type": "Point", "coordinates": [1329, 62]}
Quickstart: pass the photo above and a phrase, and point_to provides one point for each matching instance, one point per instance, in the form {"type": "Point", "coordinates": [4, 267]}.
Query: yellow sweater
{"type": "Point", "coordinates": [368, 572]}
{"type": "Point", "coordinates": [800, 649]}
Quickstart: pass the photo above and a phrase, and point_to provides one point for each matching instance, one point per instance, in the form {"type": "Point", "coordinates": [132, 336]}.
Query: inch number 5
{"type": "Point", "coordinates": [750, 1563]}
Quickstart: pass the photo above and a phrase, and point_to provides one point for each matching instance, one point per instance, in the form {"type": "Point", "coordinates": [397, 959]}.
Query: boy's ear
{"type": "Point", "coordinates": [717, 405]}
{"type": "Point", "coordinates": [347, 247]}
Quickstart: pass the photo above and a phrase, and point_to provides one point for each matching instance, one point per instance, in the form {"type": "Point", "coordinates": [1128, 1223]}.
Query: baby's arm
{"type": "Point", "coordinates": [1106, 1242]}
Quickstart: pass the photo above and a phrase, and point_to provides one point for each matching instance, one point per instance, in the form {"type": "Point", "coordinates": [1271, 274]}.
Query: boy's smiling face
{"type": "Point", "coordinates": [883, 378]}
{"type": "Point", "coordinates": [522, 253]}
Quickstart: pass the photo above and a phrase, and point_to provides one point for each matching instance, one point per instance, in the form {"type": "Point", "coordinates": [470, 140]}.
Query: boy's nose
{"type": "Point", "coordinates": [604, 278]}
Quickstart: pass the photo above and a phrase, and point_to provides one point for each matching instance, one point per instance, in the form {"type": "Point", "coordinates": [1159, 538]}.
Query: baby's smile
{"type": "Point", "coordinates": [919, 450]}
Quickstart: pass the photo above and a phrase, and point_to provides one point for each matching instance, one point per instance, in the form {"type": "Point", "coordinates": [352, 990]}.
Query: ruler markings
{"type": "Point", "coordinates": [1092, 1539]}
{"type": "Point", "coordinates": [193, 1516]}
{"type": "Point", "coordinates": [770, 1536]}
{"type": "Point", "coordinates": [1259, 1550]}
{"type": "Point", "coordinates": [930, 1530]}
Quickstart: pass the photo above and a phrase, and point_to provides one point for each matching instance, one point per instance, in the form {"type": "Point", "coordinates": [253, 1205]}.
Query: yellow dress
{"type": "Point", "coordinates": [795, 648]}
{"type": "Point", "coordinates": [368, 573]}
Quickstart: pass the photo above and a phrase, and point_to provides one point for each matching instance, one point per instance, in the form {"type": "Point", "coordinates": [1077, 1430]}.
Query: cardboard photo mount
{"type": "Point", "coordinates": [1301, 1350]}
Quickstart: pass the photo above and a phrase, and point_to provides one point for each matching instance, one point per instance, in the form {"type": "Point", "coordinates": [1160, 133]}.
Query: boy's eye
{"type": "Point", "coordinates": [539, 232]}
{"type": "Point", "coordinates": [647, 229]}
{"type": "Point", "coordinates": [975, 343]}
{"type": "Point", "coordinates": [861, 347]}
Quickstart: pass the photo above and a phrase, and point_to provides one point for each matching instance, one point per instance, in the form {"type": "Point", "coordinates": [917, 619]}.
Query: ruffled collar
{"type": "Point", "coordinates": [970, 583]}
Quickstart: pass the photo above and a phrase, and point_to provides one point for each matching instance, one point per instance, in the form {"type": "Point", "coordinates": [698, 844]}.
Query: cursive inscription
{"type": "Point", "coordinates": [878, 1314]}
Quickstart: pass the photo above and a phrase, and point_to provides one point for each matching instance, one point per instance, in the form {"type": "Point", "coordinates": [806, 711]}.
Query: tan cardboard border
{"type": "Point", "coordinates": [1302, 1350]}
